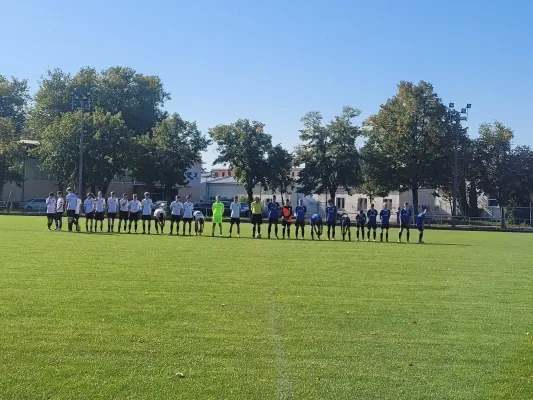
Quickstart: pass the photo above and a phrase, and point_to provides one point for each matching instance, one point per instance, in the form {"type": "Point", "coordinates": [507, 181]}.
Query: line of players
{"type": "Point", "coordinates": [130, 212]}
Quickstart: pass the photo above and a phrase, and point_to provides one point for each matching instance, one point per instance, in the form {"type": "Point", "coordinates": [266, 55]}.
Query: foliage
{"type": "Point", "coordinates": [14, 98]}
{"type": "Point", "coordinates": [11, 154]}
{"type": "Point", "coordinates": [280, 163]}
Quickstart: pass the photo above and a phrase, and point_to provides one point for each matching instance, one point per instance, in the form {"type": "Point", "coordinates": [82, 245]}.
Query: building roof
{"type": "Point", "coordinates": [224, 180]}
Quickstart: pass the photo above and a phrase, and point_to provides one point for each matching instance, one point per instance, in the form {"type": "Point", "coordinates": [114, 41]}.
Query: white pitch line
{"type": "Point", "coordinates": [284, 387]}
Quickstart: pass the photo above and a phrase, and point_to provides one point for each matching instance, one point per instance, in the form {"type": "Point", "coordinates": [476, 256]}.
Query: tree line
{"type": "Point", "coordinates": [407, 145]}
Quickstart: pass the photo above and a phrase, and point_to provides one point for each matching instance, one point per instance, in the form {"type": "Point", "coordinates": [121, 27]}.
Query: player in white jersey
{"type": "Point", "coordinates": [100, 212]}
{"type": "Point", "coordinates": [124, 208]}
{"type": "Point", "coordinates": [235, 208]}
{"type": "Point", "coordinates": [176, 208]}
{"type": "Point", "coordinates": [89, 212]}
{"type": "Point", "coordinates": [50, 210]}
{"type": "Point", "coordinates": [60, 209]}
{"type": "Point", "coordinates": [188, 208]}
{"type": "Point", "coordinates": [199, 221]}
{"type": "Point", "coordinates": [147, 212]}
{"type": "Point", "coordinates": [159, 219]}
{"type": "Point", "coordinates": [79, 204]}
{"type": "Point", "coordinates": [112, 205]}
{"type": "Point", "coordinates": [71, 202]}
{"type": "Point", "coordinates": [135, 208]}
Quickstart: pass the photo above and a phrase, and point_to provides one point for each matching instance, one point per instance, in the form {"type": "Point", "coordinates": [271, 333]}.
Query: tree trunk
{"type": "Point", "coordinates": [250, 193]}
{"type": "Point", "coordinates": [463, 197]}
{"type": "Point", "coordinates": [93, 189]}
{"type": "Point", "coordinates": [168, 195]}
{"type": "Point", "coordinates": [502, 215]}
{"type": "Point", "coordinates": [104, 189]}
{"type": "Point", "coordinates": [472, 200]}
{"type": "Point", "coordinates": [414, 191]}
{"type": "Point", "coordinates": [332, 194]}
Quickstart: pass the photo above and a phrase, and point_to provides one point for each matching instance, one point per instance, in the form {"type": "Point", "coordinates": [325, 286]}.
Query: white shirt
{"type": "Point", "coordinates": [51, 205]}
{"type": "Point", "coordinates": [198, 215]}
{"type": "Point", "coordinates": [89, 206]}
{"type": "Point", "coordinates": [135, 206]}
{"type": "Point", "coordinates": [235, 210]}
{"type": "Point", "coordinates": [100, 204]}
{"type": "Point", "coordinates": [147, 206]}
{"type": "Point", "coordinates": [124, 205]}
{"type": "Point", "coordinates": [78, 205]}
{"type": "Point", "coordinates": [158, 212]}
{"type": "Point", "coordinates": [112, 204]}
{"type": "Point", "coordinates": [176, 207]}
{"type": "Point", "coordinates": [72, 201]}
{"type": "Point", "coordinates": [187, 209]}
{"type": "Point", "coordinates": [60, 205]}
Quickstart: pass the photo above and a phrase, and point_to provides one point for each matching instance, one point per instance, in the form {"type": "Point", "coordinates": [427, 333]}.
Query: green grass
{"type": "Point", "coordinates": [101, 316]}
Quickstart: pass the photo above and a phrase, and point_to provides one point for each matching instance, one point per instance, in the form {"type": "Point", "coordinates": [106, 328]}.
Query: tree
{"type": "Point", "coordinates": [165, 156]}
{"type": "Point", "coordinates": [374, 185]}
{"type": "Point", "coordinates": [411, 134]}
{"type": "Point", "coordinates": [244, 147]}
{"type": "Point", "coordinates": [11, 154]}
{"type": "Point", "coordinates": [329, 153]}
{"type": "Point", "coordinates": [14, 97]}
{"type": "Point", "coordinates": [279, 178]}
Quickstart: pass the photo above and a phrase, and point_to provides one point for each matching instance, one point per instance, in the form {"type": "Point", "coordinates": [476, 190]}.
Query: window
{"type": "Point", "coordinates": [387, 203]}
{"type": "Point", "coordinates": [229, 173]}
{"type": "Point", "coordinates": [340, 202]}
{"type": "Point", "coordinates": [292, 174]}
{"type": "Point", "coordinates": [223, 174]}
{"type": "Point", "coordinates": [362, 204]}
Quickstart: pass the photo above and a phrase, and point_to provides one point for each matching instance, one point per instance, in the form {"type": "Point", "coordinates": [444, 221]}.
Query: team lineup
{"type": "Point", "coordinates": [129, 212]}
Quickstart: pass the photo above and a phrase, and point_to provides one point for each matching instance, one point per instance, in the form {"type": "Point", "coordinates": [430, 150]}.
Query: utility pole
{"type": "Point", "coordinates": [82, 103]}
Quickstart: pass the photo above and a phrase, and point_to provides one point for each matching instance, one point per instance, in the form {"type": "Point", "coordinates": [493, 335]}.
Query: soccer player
{"type": "Point", "coordinates": [89, 212]}
{"type": "Point", "coordinates": [299, 213]}
{"type": "Point", "coordinates": [316, 226]}
{"type": "Point", "coordinates": [51, 208]}
{"type": "Point", "coordinates": [159, 219]}
{"type": "Point", "coordinates": [235, 216]}
{"type": "Point", "coordinates": [176, 209]}
{"type": "Point", "coordinates": [134, 207]}
{"type": "Point", "coordinates": [257, 217]}
{"type": "Point", "coordinates": [345, 227]}
{"type": "Point", "coordinates": [286, 219]}
{"type": "Point", "coordinates": [71, 202]}
{"type": "Point", "coordinates": [384, 216]}
{"type": "Point", "coordinates": [405, 219]}
{"type": "Point", "coordinates": [218, 212]}
{"type": "Point", "coordinates": [60, 209]}
{"type": "Point", "coordinates": [112, 205]}
{"type": "Point", "coordinates": [79, 205]}
{"type": "Point", "coordinates": [372, 216]}
{"type": "Point", "coordinates": [331, 219]}
{"type": "Point", "coordinates": [199, 221]}
{"type": "Point", "coordinates": [124, 205]}
{"type": "Point", "coordinates": [360, 221]}
{"type": "Point", "coordinates": [188, 208]}
{"type": "Point", "coordinates": [420, 225]}
{"type": "Point", "coordinates": [273, 216]}
{"type": "Point", "coordinates": [100, 212]}
{"type": "Point", "coordinates": [146, 205]}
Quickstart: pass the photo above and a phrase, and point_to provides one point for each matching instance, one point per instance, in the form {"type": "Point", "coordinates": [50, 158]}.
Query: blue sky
{"type": "Point", "coordinates": [274, 60]}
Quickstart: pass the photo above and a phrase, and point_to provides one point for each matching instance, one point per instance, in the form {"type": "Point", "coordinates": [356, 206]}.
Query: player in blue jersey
{"type": "Point", "coordinates": [420, 225]}
{"type": "Point", "coordinates": [372, 216]}
{"type": "Point", "coordinates": [331, 219]}
{"type": "Point", "coordinates": [345, 227]}
{"type": "Point", "coordinates": [273, 216]}
{"type": "Point", "coordinates": [384, 216]}
{"type": "Point", "coordinates": [316, 226]}
{"type": "Point", "coordinates": [405, 220]}
{"type": "Point", "coordinates": [299, 214]}
{"type": "Point", "coordinates": [360, 221]}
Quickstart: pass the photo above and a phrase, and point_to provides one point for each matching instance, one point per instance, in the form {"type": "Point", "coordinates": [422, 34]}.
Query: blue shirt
{"type": "Point", "coordinates": [316, 219]}
{"type": "Point", "coordinates": [300, 212]}
{"type": "Point", "coordinates": [384, 215]}
{"type": "Point", "coordinates": [405, 216]}
{"type": "Point", "coordinates": [345, 220]}
{"type": "Point", "coordinates": [273, 210]}
{"type": "Point", "coordinates": [372, 216]}
{"type": "Point", "coordinates": [360, 219]}
{"type": "Point", "coordinates": [420, 220]}
{"type": "Point", "coordinates": [331, 214]}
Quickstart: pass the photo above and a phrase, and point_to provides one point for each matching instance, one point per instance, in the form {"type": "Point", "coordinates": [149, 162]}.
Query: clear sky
{"type": "Point", "coordinates": [274, 60]}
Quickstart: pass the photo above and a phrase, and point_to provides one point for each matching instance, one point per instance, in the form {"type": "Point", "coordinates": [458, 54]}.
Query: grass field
{"type": "Point", "coordinates": [123, 316]}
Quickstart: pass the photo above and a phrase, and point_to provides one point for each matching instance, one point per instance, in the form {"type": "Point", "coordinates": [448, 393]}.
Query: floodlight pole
{"type": "Point", "coordinates": [81, 103]}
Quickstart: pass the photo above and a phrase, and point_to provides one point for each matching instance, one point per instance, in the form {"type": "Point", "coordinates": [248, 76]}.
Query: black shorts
{"type": "Point", "coordinates": [420, 229]}
{"type": "Point", "coordinates": [175, 218]}
{"type": "Point", "coordinates": [71, 213]}
{"type": "Point", "coordinates": [147, 217]}
{"type": "Point", "coordinates": [58, 215]}
{"type": "Point", "coordinates": [385, 226]}
{"type": "Point", "coordinates": [189, 220]}
{"type": "Point", "coordinates": [134, 216]}
{"type": "Point", "coordinates": [76, 216]}
{"type": "Point", "coordinates": [99, 216]}
{"type": "Point", "coordinates": [236, 221]}
{"type": "Point", "coordinates": [360, 225]}
{"type": "Point", "coordinates": [111, 215]}
{"type": "Point", "coordinates": [161, 218]}
{"type": "Point", "coordinates": [332, 224]}
{"type": "Point", "coordinates": [404, 226]}
{"type": "Point", "coordinates": [345, 224]}
{"type": "Point", "coordinates": [284, 222]}
{"type": "Point", "coordinates": [257, 219]}
{"type": "Point", "coordinates": [299, 224]}
{"type": "Point", "coordinates": [372, 225]}
{"type": "Point", "coordinates": [51, 215]}
{"type": "Point", "coordinates": [89, 215]}
{"type": "Point", "coordinates": [273, 221]}
{"type": "Point", "coordinates": [123, 215]}
{"type": "Point", "coordinates": [200, 221]}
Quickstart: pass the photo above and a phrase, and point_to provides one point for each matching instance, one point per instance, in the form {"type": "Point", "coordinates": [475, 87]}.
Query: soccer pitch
{"type": "Point", "coordinates": [134, 316]}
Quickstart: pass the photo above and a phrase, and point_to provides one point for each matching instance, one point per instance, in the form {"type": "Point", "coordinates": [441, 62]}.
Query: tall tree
{"type": "Point", "coordinates": [329, 153]}
{"type": "Point", "coordinates": [244, 147]}
{"type": "Point", "coordinates": [14, 97]}
{"type": "Point", "coordinates": [165, 156]}
{"type": "Point", "coordinates": [11, 154]}
{"type": "Point", "coordinates": [280, 163]}
{"type": "Point", "coordinates": [411, 133]}
{"type": "Point", "coordinates": [374, 184]}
